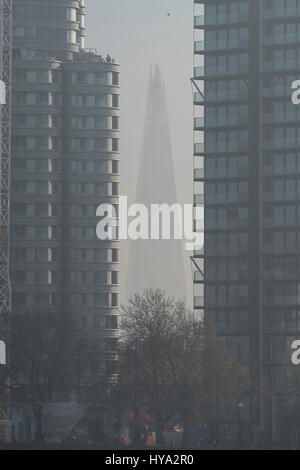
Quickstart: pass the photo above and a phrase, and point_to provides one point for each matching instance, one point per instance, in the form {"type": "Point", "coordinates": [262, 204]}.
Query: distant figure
{"type": "Point", "coordinates": [108, 58]}
{"type": "Point", "coordinates": [169, 14]}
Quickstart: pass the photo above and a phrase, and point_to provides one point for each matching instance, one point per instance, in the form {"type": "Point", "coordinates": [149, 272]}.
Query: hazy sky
{"type": "Point", "coordinates": [138, 33]}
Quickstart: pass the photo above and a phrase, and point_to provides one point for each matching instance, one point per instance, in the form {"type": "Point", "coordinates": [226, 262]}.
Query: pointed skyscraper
{"type": "Point", "coordinates": [156, 263]}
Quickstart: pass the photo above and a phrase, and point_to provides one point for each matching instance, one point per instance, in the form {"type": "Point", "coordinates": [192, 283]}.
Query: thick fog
{"type": "Point", "coordinates": [138, 33]}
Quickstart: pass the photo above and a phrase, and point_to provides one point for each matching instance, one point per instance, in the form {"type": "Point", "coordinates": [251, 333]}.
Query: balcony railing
{"type": "Point", "coordinates": [198, 149]}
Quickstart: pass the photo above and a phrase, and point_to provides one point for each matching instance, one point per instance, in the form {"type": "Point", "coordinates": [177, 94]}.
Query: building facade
{"type": "Point", "coordinates": [65, 162]}
{"type": "Point", "coordinates": [247, 168]}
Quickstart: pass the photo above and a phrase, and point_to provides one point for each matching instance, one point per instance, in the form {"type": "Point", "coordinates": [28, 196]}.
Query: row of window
{"type": "Point", "coordinates": [281, 241]}
{"type": "Point", "coordinates": [226, 90]}
{"type": "Point", "coordinates": [226, 141]}
{"type": "Point", "coordinates": [44, 98]}
{"type": "Point", "coordinates": [94, 145]}
{"type": "Point", "coordinates": [93, 166]}
{"type": "Point", "coordinates": [94, 78]}
{"type": "Point", "coordinates": [102, 144]}
{"type": "Point", "coordinates": [55, 188]}
{"type": "Point", "coordinates": [225, 116]}
{"type": "Point", "coordinates": [226, 64]}
{"type": "Point", "coordinates": [43, 11]}
{"type": "Point", "coordinates": [281, 216]}
{"type": "Point", "coordinates": [36, 232]}
{"type": "Point", "coordinates": [282, 163]}
{"type": "Point", "coordinates": [94, 122]}
{"type": "Point", "coordinates": [98, 322]}
{"type": "Point", "coordinates": [281, 267]}
{"type": "Point", "coordinates": [281, 59]}
{"type": "Point", "coordinates": [92, 300]}
{"type": "Point", "coordinates": [33, 277]}
{"type": "Point", "coordinates": [226, 243]}
{"type": "Point", "coordinates": [44, 299]}
{"type": "Point", "coordinates": [86, 210]}
{"type": "Point", "coordinates": [56, 99]}
{"type": "Point", "coordinates": [97, 100]}
{"type": "Point", "coordinates": [37, 121]}
{"type": "Point", "coordinates": [226, 270]}
{"type": "Point", "coordinates": [226, 193]}
{"type": "Point", "coordinates": [216, 112]}
{"type": "Point", "coordinates": [222, 219]}
{"type": "Point", "coordinates": [281, 293]}
{"type": "Point", "coordinates": [81, 255]}
{"type": "Point", "coordinates": [54, 210]}
{"type": "Point", "coordinates": [37, 187]}
{"type": "Point", "coordinates": [281, 190]}
{"type": "Point", "coordinates": [41, 165]}
{"type": "Point", "coordinates": [36, 255]}
{"type": "Point", "coordinates": [281, 8]}
{"type": "Point", "coordinates": [93, 277]}
{"type": "Point", "coordinates": [47, 232]}
{"type": "Point", "coordinates": [281, 321]}
{"type": "Point", "coordinates": [221, 295]}
{"type": "Point", "coordinates": [47, 165]}
{"type": "Point", "coordinates": [93, 189]}
{"type": "Point", "coordinates": [281, 33]}
{"type": "Point", "coordinates": [47, 34]}
{"type": "Point", "coordinates": [37, 76]}
{"type": "Point", "coordinates": [36, 210]}
{"type": "Point", "coordinates": [90, 255]}
{"type": "Point", "coordinates": [226, 38]}
{"type": "Point", "coordinates": [226, 13]}
{"type": "Point", "coordinates": [226, 167]}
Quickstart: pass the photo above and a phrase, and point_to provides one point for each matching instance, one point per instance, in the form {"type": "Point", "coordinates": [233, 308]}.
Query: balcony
{"type": "Point", "coordinates": [198, 199]}
{"type": "Point", "coordinates": [217, 70]}
{"type": "Point", "coordinates": [270, 118]}
{"type": "Point", "coordinates": [278, 66]}
{"type": "Point", "coordinates": [221, 19]}
{"type": "Point", "coordinates": [198, 47]}
{"type": "Point", "coordinates": [221, 45]}
{"type": "Point", "coordinates": [224, 147]}
{"type": "Point", "coordinates": [198, 123]}
{"type": "Point", "coordinates": [198, 149]}
{"type": "Point", "coordinates": [199, 21]}
{"type": "Point", "coordinates": [198, 98]}
{"type": "Point", "coordinates": [226, 121]}
{"type": "Point", "coordinates": [198, 277]}
{"type": "Point", "coordinates": [288, 12]}
{"type": "Point", "coordinates": [199, 174]}
{"type": "Point", "coordinates": [199, 302]}
{"type": "Point", "coordinates": [199, 72]}
{"type": "Point", "coordinates": [231, 95]}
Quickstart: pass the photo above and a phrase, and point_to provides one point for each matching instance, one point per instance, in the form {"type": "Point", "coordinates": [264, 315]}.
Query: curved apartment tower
{"type": "Point", "coordinates": [65, 162]}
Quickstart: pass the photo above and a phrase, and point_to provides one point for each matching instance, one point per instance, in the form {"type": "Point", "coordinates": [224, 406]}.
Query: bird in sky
{"type": "Point", "coordinates": [169, 14]}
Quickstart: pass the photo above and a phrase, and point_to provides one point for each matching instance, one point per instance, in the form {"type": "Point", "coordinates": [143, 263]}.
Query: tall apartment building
{"type": "Point", "coordinates": [65, 162]}
{"type": "Point", "coordinates": [247, 178]}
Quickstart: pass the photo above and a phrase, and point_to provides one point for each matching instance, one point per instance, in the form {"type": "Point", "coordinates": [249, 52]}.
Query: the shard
{"type": "Point", "coordinates": [156, 263]}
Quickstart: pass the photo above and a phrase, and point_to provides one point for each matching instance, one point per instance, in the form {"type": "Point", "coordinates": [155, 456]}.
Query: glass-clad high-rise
{"type": "Point", "coordinates": [247, 178]}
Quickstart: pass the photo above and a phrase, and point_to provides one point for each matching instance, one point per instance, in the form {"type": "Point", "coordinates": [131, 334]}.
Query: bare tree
{"type": "Point", "coordinates": [41, 356]}
{"type": "Point", "coordinates": [171, 363]}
